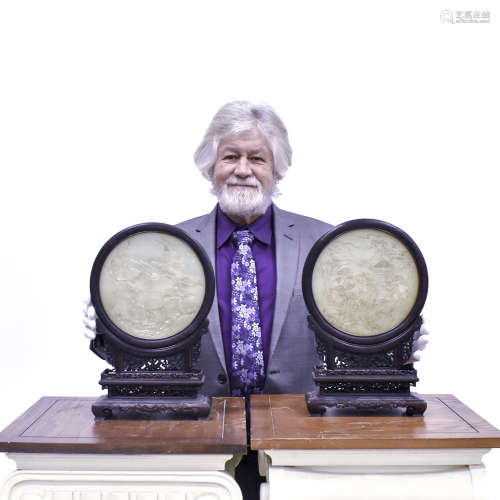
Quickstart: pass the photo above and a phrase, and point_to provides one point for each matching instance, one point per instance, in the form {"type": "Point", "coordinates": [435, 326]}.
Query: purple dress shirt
{"type": "Point", "coordinates": [265, 263]}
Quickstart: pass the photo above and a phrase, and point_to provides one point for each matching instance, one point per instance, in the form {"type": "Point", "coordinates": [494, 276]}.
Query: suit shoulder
{"type": "Point", "coordinates": [196, 222]}
{"type": "Point", "coordinates": [191, 223]}
{"type": "Point", "coordinates": [310, 225]}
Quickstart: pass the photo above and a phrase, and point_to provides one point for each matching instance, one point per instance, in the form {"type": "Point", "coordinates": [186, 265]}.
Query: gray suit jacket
{"type": "Point", "coordinates": [292, 353]}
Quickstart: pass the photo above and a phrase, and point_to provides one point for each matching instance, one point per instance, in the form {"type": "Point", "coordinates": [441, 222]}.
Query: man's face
{"type": "Point", "coordinates": [243, 175]}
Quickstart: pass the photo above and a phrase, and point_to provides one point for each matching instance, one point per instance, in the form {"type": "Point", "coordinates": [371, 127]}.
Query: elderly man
{"type": "Point", "coordinates": [245, 152]}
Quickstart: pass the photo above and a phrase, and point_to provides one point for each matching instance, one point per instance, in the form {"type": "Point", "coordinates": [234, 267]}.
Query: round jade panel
{"type": "Point", "coordinates": [152, 285]}
{"type": "Point", "coordinates": [365, 282]}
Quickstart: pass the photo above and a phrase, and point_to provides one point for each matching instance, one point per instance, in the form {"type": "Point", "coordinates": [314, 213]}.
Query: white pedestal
{"type": "Point", "coordinates": [404, 474]}
{"type": "Point", "coordinates": [47, 476]}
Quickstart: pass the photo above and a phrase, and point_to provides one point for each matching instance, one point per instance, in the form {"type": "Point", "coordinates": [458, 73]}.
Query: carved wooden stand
{"type": "Point", "coordinates": [143, 387]}
{"type": "Point", "coordinates": [327, 404]}
{"type": "Point", "coordinates": [153, 378]}
{"type": "Point", "coordinates": [173, 395]}
{"type": "Point", "coordinates": [361, 390]}
{"type": "Point", "coordinates": [364, 378]}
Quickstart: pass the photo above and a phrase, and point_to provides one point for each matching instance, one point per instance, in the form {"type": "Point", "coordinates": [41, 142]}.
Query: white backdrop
{"type": "Point", "coordinates": [392, 114]}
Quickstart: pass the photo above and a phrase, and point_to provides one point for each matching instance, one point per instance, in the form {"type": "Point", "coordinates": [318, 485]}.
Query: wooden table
{"type": "Point", "coordinates": [370, 456]}
{"type": "Point", "coordinates": [63, 453]}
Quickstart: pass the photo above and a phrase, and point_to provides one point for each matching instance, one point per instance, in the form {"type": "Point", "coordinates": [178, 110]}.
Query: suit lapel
{"type": "Point", "coordinates": [205, 234]}
{"type": "Point", "coordinates": [287, 253]}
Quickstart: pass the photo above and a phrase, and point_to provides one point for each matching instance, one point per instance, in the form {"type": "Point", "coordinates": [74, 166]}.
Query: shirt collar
{"type": "Point", "coordinates": [261, 228]}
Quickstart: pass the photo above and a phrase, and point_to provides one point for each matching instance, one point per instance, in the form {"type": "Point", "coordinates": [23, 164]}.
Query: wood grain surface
{"type": "Point", "coordinates": [283, 422]}
{"type": "Point", "coordinates": [67, 425]}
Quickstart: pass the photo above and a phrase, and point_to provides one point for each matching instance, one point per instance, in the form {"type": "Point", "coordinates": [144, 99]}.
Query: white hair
{"type": "Point", "coordinates": [239, 116]}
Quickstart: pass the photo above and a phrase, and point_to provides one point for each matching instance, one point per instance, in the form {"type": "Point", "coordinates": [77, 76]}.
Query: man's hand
{"type": "Point", "coordinates": [419, 343]}
{"type": "Point", "coordinates": [89, 319]}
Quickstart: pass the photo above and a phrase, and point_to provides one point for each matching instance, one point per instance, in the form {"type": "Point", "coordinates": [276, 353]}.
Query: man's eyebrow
{"type": "Point", "coordinates": [234, 149]}
{"type": "Point", "coordinates": [225, 149]}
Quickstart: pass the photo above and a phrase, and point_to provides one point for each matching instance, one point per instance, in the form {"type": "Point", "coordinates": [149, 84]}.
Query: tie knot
{"type": "Point", "coordinates": [244, 236]}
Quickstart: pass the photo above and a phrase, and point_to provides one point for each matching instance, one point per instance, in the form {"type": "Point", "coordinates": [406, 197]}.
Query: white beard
{"type": "Point", "coordinates": [243, 202]}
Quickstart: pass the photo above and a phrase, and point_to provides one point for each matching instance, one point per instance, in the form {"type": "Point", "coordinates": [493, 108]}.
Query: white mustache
{"type": "Point", "coordinates": [250, 182]}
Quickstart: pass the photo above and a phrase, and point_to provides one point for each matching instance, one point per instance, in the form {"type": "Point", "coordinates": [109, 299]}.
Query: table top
{"type": "Point", "coordinates": [67, 425]}
{"type": "Point", "coordinates": [283, 422]}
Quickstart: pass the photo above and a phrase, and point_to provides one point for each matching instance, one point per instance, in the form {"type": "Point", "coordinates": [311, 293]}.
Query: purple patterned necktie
{"type": "Point", "coordinates": [248, 355]}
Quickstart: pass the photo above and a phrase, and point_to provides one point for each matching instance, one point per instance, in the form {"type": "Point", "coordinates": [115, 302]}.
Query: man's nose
{"type": "Point", "coordinates": [243, 167]}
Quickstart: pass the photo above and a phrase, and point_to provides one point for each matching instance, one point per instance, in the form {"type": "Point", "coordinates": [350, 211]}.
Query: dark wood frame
{"type": "Point", "coordinates": [375, 343]}
{"type": "Point", "coordinates": [159, 347]}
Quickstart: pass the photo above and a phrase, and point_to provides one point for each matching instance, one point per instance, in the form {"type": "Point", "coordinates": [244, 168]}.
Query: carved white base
{"type": "Point", "coordinates": [119, 477]}
{"type": "Point", "coordinates": [451, 474]}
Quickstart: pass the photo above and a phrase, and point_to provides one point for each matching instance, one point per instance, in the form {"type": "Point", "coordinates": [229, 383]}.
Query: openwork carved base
{"type": "Point", "coordinates": [322, 404]}
{"type": "Point", "coordinates": [152, 395]}
{"type": "Point", "coordinates": [152, 384]}
{"type": "Point", "coordinates": [363, 376]}
{"type": "Point", "coordinates": [180, 408]}
{"type": "Point", "coordinates": [362, 381]}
